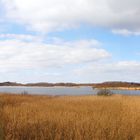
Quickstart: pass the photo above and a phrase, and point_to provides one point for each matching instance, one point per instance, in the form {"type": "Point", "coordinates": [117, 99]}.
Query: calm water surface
{"type": "Point", "coordinates": [60, 90]}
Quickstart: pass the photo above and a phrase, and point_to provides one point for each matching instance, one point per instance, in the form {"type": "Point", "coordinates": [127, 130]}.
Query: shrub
{"type": "Point", "coordinates": [104, 92]}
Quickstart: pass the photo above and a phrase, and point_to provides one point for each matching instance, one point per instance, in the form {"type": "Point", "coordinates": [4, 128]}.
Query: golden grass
{"type": "Point", "coordinates": [70, 117]}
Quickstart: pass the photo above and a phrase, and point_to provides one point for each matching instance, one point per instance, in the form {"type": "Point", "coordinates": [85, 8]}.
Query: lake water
{"type": "Point", "coordinates": [60, 90]}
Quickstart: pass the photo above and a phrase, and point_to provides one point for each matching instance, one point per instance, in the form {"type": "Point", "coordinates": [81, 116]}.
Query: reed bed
{"type": "Point", "coordinates": [25, 117]}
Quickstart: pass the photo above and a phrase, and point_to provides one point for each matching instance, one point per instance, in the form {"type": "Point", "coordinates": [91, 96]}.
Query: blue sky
{"type": "Point", "coordinates": [58, 41]}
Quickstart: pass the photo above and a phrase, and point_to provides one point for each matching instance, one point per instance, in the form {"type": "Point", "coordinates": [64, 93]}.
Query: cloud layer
{"type": "Point", "coordinates": [18, 52]}
{"type": "Point", "coordinates": [52, 15]}
{"type": "Point", "coordinates": [113, 71]}
{"type": "Point", "coordinates": [61, 61]}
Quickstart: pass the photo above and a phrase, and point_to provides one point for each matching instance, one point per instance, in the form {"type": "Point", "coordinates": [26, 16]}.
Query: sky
{"type": "Point", "coordinates": [83, 41]}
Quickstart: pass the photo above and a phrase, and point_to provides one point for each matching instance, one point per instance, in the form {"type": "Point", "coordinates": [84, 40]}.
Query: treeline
{"type": "Point", "coordinates": [116, 84]}
{"type": "Point", "coordinates": [98, 85]}
{"type": "Point", "coordinates": [37, 84]}
{"type": "Point", "coordinates": [51, 84]}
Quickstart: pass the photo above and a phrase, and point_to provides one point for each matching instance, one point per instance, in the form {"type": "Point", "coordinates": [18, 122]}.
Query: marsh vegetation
{"type": "Point", "coordinates": [26, 117]}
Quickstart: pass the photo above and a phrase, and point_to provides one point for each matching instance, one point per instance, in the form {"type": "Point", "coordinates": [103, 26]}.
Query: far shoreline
{"type": "Point", "coordinates": [118, 88]}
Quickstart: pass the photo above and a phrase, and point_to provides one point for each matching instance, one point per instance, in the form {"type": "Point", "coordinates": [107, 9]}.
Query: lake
{"type": "Point", "coordinates": [60, 90]}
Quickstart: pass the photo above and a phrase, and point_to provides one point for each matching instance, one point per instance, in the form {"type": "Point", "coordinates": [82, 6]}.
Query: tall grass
{"type": "Point", "coordinates": [71, 118]}
{"type": "Point", "coordinates": [1, 121]}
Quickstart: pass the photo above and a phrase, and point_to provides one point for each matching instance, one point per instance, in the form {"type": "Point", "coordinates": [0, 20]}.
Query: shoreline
{"type": "Point", "coordinates": [119, 88]}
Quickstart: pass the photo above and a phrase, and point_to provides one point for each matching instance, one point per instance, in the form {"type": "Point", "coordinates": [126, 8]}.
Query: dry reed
{"type": "Point", "coordinates": [70, 117]}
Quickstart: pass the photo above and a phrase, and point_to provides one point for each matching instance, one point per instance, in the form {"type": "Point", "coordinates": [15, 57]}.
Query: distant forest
{"type": "Point", "coordinates": [97, 85]}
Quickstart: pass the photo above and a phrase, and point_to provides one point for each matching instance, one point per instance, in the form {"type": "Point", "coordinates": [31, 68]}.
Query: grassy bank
{"type": "Point", "coordinates": [120, 88]}
{"type": "Point", "coordinates": [71, 118]}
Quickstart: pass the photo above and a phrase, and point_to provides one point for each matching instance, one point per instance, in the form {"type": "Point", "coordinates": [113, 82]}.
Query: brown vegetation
{"type": "Point", "coordinates": [25, 117]}
{"type": "Point", "coordinates": [117, 85]}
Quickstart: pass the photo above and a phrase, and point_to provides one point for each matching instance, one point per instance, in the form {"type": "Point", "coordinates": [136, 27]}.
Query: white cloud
{"type": "Point", "coordinates": [125, 32]}
{"type": "Point", "coordinates": [52, 15]}
{"type": "Point", "coordinates": [119, 71]}
{"type": "Point", "coordinates": [19, 54]}
{"type": "Point", "coordinates": [24, 37]}
{"type": "Point", "coordinates": [73, 61]}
